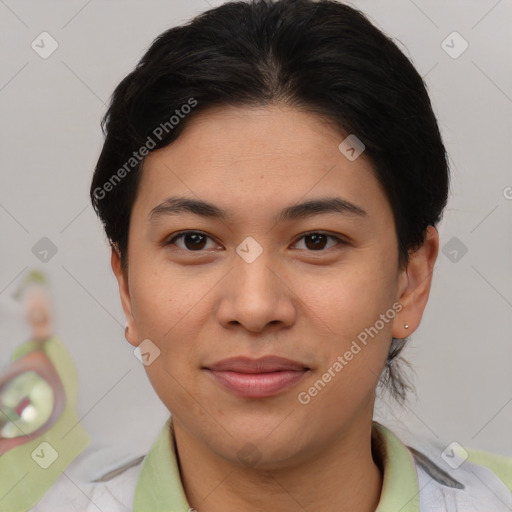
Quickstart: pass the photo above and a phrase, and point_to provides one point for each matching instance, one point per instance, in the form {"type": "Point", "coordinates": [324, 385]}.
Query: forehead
{"type": "Point", "coordinates": [247, 158]}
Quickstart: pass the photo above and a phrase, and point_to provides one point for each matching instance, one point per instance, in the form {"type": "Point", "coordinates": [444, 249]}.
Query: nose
{"type": "Point", "coordinates": [257, 296]}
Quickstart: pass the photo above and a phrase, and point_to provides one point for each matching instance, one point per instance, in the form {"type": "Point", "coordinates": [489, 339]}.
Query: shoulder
{"type": "Point", "coordinates": [453, 478]}
{"type": "Point", "coordinates": [97, 480]}
{"type": "Point", "coordinates": [501, 466]}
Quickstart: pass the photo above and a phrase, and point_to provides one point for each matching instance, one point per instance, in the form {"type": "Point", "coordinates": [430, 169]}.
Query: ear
{"type": "Point", "coordinates": [131, 334]}
{"type": "Point", "coordinates": [414, 285]}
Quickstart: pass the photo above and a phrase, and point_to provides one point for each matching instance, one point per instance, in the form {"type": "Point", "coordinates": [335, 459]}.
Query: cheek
{"type": "Point", "coordinates": [353, 348]}
{"type": "Point", "coordinates": [161, 299]}
{"type": "Point", "coordinates": [349, 300]}
{"type": "Point", "coordinates": [165, 314]}
{"type": "Point", "coordinates": [355, 340]}
{"type": "Point", "coordinates": [169, 309]}
{"type": "Point", "coordinates": [335, 395]}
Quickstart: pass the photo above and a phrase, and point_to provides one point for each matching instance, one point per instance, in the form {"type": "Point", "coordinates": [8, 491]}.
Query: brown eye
{"type": "Point", "coordinates": [193, 241]}
{"type": "Point", "coordinates": [318, 241]}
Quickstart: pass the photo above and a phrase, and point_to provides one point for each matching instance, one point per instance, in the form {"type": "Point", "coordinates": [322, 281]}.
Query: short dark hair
{"type": "Point", "coordinates": [321, 57]}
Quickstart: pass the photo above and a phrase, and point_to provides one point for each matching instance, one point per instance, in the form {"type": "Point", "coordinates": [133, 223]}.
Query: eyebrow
{"type": "Point", "coordinates": [177, 205]}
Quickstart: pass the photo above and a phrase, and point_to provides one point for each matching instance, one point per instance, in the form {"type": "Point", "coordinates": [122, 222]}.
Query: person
{"type": "Point", "coordinates": [270, 184]}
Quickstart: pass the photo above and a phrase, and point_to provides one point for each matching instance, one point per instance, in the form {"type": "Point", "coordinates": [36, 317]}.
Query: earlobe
{"type": "Point", "coordinates": [414, 285]}
{"type": "Point", "coordinates": [124, 294]}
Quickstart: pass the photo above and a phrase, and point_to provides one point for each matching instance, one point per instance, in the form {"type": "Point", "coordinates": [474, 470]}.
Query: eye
{"type": "Point", "coordinates": [316, 241]}
{"type": "Point", "coordinates": [192, 241]}
{"type": "Point", "coordinates": [196, 241]}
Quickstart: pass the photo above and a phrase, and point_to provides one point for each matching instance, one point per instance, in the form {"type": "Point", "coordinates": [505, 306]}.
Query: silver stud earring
{"type": "Point", "coordinates": [406, 326]}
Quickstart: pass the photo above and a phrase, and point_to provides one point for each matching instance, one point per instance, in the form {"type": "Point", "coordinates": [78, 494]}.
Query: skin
{"type": "Point", "coordinates": [308, 305]}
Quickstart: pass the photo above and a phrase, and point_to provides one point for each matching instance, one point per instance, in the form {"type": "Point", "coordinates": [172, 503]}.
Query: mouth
{"type": "Point", "coordinates": [257, 378]}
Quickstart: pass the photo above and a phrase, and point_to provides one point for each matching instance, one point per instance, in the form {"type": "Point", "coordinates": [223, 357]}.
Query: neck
{"type": "Point", "coordinates": [340, 477]}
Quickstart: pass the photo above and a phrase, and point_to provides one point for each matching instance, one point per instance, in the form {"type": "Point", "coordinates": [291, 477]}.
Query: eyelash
{"type": "Point", "coordinates": [181, 234]}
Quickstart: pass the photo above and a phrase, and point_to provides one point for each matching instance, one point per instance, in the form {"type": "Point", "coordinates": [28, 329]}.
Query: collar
{"type": "Point", "coordinates": [159, 484]}
{"type": "Point", "coordinates": [400, 489]}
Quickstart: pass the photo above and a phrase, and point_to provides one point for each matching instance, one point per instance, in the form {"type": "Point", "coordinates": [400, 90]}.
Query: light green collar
{"type": "Point", "coordinates": [24, 482]}
{"type": "Point", "coordinates": [400, 489]}
{"type": "Point", "coordinates": [159, 486]}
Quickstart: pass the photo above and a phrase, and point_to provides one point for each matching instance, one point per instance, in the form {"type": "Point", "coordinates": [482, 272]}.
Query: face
{"type": "Point", "coordinates": [302, 265]}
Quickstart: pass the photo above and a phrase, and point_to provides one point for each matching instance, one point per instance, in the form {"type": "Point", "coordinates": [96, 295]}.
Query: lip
{"type": "Point", "coordinates": [257, 378]}
{"type": "Point", "coordinates": [264, 364]}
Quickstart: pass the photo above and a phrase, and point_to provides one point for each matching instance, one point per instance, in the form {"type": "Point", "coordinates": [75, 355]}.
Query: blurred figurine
{"type": "Point", "coordinates": [40, 433]}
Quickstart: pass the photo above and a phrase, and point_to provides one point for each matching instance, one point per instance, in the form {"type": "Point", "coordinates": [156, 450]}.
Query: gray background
{"type": "Point", "coordinates": [50, 136]}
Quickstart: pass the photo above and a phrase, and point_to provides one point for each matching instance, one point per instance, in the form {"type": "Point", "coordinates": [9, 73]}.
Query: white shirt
{"type": "Point", "coordinates": [420, 479]}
